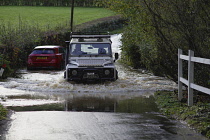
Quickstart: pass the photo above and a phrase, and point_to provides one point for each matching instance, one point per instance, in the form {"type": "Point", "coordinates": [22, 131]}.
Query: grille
{"type": "Point", "coordinates": [91, 62]}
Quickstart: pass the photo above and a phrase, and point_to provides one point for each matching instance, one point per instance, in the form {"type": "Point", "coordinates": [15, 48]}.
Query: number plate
{"type": "Point", "coordinates": [91, 75]}
{"type": "Point", "coordinates": [41, 58]}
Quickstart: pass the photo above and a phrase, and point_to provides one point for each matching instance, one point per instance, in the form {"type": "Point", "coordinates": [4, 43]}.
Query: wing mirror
{"type": "Point", "coordinates": [116, 55]}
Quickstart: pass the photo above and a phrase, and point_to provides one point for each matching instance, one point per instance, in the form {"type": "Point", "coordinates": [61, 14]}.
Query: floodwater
{"type": "Point", "coordinates": [48, 107]}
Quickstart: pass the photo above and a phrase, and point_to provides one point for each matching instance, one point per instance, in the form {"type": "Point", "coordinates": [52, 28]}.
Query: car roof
{"type": "Point", "coordinates": [47, 47]}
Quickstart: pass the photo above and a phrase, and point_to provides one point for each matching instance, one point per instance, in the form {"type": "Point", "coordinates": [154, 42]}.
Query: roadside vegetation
{"type": "Point", "coordinates": [196, 116]}
{"type": "Point", "coordinates": [3, 113]}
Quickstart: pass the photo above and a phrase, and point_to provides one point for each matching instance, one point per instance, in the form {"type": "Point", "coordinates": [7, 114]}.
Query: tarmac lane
{"type": "Point", "coordinates": [62, 125]}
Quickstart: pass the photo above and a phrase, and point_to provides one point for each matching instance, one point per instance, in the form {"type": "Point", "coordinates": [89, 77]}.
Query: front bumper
{"type": "Point", "coordinates": [83, 74]}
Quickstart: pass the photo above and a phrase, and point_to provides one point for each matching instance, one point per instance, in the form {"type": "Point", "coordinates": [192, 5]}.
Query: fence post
{"type": "Point", "coordinates": [180, 74]}
{"type": "Point", "coordinates": [190, 78]}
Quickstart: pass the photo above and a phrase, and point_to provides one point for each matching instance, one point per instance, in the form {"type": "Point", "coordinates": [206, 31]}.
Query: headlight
{"type": "Point", "coordinates": [74, 72]}
{"type": "Point", "coordinates": [74, 63]}
{"type": "Point", "coordinates": [107, 72]}
{"type": "Point", "coordinates": [108, 63]}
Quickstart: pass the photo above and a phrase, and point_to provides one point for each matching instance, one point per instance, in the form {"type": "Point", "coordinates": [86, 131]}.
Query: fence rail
{"type": "Point", "coordinates": [190, 81]}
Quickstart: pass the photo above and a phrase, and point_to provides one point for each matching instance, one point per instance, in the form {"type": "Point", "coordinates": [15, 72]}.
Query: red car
{"type": "Point", "coordinates": [48, 56]}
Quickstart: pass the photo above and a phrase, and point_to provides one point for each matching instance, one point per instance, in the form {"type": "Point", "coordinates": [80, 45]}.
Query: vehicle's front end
{"type": "Point", "coordinates": [81, 69]}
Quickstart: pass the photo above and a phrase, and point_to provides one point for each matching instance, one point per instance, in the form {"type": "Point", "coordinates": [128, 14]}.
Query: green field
{"type": "Point", "coordinates": [49, 17]}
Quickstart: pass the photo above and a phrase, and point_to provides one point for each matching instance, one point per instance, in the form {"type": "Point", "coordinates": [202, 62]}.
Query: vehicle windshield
{"type": "Point", "coordinates": [43, 51]}
{"type": "Point", "coordinates": [102, 49]}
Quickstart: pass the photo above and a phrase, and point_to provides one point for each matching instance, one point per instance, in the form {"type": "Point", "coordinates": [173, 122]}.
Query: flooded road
{"type": "Point", "coordinates": [48, 107]}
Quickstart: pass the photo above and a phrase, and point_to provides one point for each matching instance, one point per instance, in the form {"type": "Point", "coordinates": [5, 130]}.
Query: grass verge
{"type": "Point", "coordinates": [196, 116]}
{"type": "Point", "coordinates": [3, 113]}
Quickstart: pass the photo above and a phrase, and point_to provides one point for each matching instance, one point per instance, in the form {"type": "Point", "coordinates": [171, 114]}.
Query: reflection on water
{"type": "Point", "coordinates": [138, 104]}
{"type": "Point", "coordinates": [91, 104]}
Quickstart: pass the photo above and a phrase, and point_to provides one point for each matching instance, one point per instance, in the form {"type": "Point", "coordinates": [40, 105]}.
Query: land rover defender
{"type": "Point", "coordinates": [90, 57]}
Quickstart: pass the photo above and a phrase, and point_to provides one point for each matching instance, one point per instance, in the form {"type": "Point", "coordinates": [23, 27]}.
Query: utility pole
{"type": "Point", "coordinates": [72, 14]}
{"type": "Point", "coordinates": [71, 30]}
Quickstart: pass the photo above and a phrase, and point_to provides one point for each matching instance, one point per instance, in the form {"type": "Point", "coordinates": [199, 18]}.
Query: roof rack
{"type": "Point", "coordinates": [89, 35]}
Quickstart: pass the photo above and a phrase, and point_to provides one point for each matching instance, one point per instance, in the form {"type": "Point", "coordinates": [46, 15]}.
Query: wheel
{"type": "Point", "coordinates": [116, 74]}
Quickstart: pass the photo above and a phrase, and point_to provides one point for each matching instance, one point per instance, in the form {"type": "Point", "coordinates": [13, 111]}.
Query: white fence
{"type": "Point", "coordinates": [190, 82]}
